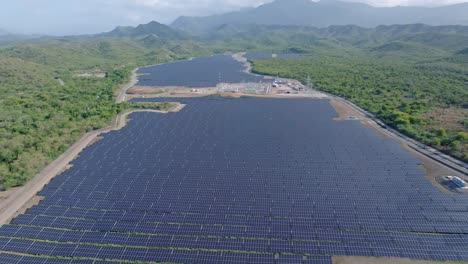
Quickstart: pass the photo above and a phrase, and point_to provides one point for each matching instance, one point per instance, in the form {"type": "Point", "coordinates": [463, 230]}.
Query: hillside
{"type": "Point", "coordinates": [152, 28]}
{"type": "Point", "coordinates": [326, 13]}
{"type": "Point", "coordinates": [304, 39]}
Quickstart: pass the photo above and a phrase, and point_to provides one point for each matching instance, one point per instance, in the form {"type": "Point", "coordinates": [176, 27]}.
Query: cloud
{"type": "Point", "coordinates": [62, 17]}
{"type": "Point", "coordinates": [196, 7]}
{"type": "Point", "coordinates": [388, 3]}
{"type": "Point", "coordinates": [186, 4]}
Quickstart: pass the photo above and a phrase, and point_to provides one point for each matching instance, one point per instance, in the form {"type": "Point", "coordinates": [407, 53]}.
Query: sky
{"type": "Point", "coordinates": [72, 17]}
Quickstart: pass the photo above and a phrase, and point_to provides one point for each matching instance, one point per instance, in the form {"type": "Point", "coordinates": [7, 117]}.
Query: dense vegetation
{"type": "Point", "coordinates": [161, 106]}
{"type": "Point", "coordinates": [414, 81]}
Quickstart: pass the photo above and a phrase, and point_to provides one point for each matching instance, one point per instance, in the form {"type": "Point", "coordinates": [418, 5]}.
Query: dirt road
{"type": "Point", "coordinates": [123, 92]}
{"type": "Point", "coordinates": [15, 202]}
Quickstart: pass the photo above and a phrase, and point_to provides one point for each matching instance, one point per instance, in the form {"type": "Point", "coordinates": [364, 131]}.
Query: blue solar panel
{"type": "Point", "coordinates": [270, 179]}
{"type": "Point", "coordinates": [9, 259]}
{"type": "Point", "coordinates": [199, 72]}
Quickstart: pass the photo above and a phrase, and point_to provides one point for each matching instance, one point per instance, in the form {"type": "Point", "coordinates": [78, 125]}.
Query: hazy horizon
{"type": "Point", "coordinates": [54, 17]}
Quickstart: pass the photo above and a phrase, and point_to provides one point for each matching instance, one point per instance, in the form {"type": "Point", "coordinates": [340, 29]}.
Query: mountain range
{"type": "Point", "coordinates": [10, 38]}
{"type": "Point", "coordinates": [326, 13]}
{"type": "Point", "coordinates": [298, 39]}
{"type": "Point", "coordinates": [153, 28]}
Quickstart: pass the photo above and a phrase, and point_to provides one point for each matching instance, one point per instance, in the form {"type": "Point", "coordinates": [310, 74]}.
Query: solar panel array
{"type": "Point", "coordinates": [199, 72]}
{"type": "Point", "coordinates": [247, 180]}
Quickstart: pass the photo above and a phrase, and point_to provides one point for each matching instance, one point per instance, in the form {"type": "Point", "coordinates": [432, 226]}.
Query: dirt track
{"type": "Point", "coordinates": [123, 92]}
{"type": "Point", "coordinates": [21, 196]}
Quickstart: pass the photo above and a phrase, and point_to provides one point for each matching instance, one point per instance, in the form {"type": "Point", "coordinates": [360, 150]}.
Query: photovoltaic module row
{"type": "Point", "coordinates": [17, 259]}
{"type": "Point", "coordinates": [198, 72]}
{"type": "Point", "coordinates": [73, 252]}
{"type": "Point", "coordinates": [245, 180]}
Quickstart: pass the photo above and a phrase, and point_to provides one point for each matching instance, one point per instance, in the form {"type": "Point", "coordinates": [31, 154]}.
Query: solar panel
{"type": "Point", "coordinates": [199, 72]}
{"type": "Point", "coordinates": [247, 180]}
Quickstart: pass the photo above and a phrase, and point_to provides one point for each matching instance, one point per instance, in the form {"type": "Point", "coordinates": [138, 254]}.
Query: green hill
{"type": "Point", "coordinates": [407, 50]}
{"type": "Point", "coordinates": [448, 42]}
{"type": "Point", "coordinates": [153, 28]}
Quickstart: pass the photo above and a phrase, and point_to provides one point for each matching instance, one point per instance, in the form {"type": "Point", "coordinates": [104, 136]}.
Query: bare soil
{"type": "Point", "coordinates": [5, 194]}
{"type": "Point", "coordinates": [447, 118]}
{"type": "Point", "coordinates": [344, 110]}
{"type": "Point", "coordinates": [240, 58]}
{"type": "Point", "coordinates": [178, 108]}
{"type": "Point", "coordinates": [121, 96]}
{"type": "Point", "coordinates": [223, 89]}
{"type": "Point", "coordinates": [145, 90]}
{"type": "Point", "coordinates": [95, 140]}
{"type": "Point", "coordinates": [432, 168]}
{"type": "Point", "coordinates": [33, 201]}
{"type": "Point", "coordinates": [90, 74]}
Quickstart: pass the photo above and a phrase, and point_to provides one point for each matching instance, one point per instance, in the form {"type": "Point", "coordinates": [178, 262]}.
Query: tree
{"type": "Point", "coordinates": [441, 133]}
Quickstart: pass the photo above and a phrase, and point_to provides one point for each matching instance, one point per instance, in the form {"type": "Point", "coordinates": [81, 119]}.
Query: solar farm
{"type": "Point", "coordinates": [238, 180]}
{"type": "Point", "coordinates": [245, 180]}
{"type": "Point", "coordinates": [198, 72]}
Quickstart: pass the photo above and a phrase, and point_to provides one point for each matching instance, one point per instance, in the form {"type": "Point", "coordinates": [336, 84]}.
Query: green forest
{"type": "Point", "coordinates": [52, 91]}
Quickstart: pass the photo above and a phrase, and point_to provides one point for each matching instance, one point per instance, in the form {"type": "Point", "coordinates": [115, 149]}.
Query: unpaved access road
{"type": "Point", "coordinates": [21, 196]}
{"type": "Point", "coordinates": [123, 92]}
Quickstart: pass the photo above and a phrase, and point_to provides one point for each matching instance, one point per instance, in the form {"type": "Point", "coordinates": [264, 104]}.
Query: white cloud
{"type": "Point", "coordinates": [197, 7]}
{"type": "Point", "coordinates": [213, 4]}
{"type": "Point", "coordinates": [94, 16]}
{"type": "Point", "coordinates": [236, 4]}
{"type": "Point", "coordinates": [410, 2]}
